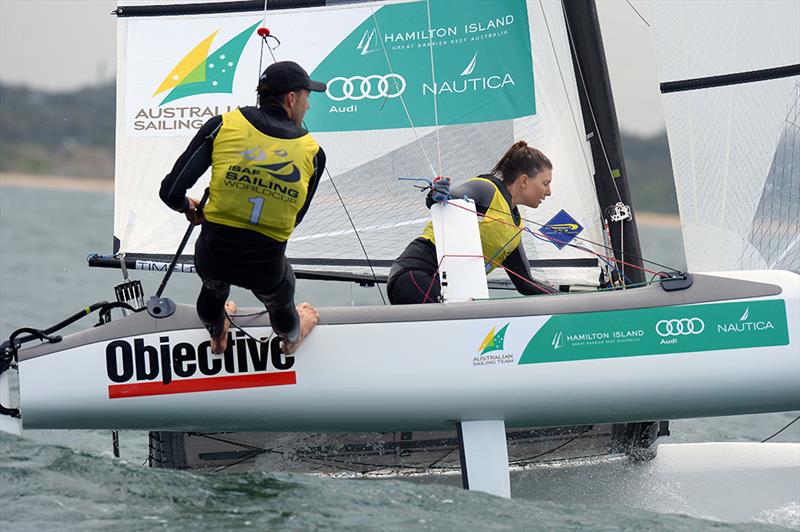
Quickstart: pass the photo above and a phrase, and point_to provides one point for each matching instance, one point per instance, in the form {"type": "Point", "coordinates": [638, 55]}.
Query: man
{"type": "Point", "coordinates": [264, 171]}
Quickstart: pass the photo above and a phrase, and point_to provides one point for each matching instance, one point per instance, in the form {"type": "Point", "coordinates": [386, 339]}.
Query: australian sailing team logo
{"type": "Point", "coordinates": [492, 352]}
{"type": "Point", "coordinates": [202, 73]}
{"type": "Point", "coordinates": [137, 368]}
{"type": "Point", "coordinates": [199, 72]}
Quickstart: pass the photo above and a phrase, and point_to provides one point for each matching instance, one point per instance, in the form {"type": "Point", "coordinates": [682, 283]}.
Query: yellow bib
{"type": "Point", "coordinates": [499, 234]}
{"type": "Point", "coordinates": [258, 182]}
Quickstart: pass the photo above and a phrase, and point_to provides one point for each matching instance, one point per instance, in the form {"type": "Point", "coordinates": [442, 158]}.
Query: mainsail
{"type": "Point", "coordinates": [731, 90]}
{"type": "Point", "coordinates": [416, 89]}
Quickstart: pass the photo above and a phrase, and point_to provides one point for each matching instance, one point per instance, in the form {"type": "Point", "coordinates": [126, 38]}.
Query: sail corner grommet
{"type": "Point", "coordinates": [160, 307]}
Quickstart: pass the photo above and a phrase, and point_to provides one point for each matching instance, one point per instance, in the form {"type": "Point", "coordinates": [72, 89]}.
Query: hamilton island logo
{"type": "Point", "coordinates": [200, 72]}
{"type": "Point", "coordinates": [491, 351]}
{"type": "Point", "coordinates": [558, 340]}
{"type": "Point", "coordinates": [366, 44]}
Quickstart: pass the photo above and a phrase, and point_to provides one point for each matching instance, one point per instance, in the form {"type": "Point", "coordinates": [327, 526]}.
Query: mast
{"type": "Point", "coordinates": [602, 130]}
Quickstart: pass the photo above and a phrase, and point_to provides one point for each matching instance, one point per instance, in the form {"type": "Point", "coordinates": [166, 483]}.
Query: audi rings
{"type": "Point", "coordinates": [371, 87]}
{"type": "Point", "coordinates": [680, 327]}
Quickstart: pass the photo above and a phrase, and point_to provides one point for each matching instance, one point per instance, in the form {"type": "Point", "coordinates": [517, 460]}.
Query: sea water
{"type": "Point", "coordinates": [69, 479]}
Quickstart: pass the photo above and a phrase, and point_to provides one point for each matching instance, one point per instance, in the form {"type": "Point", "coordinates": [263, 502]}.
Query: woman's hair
{"type": "Point", "coordinates": [521, 159]}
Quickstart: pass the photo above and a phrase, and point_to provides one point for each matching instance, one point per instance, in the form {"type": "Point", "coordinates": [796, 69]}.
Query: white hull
{"type": "Point", "coordinates": [421, 367]}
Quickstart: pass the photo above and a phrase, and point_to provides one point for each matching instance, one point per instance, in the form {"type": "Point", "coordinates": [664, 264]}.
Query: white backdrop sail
{"type": "Point", "coordinates": [735, 148]}
{"type": "Point", "coordinates": [503, 72]}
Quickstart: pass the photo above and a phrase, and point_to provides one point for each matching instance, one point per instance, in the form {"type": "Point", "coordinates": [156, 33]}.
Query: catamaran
{"type": "Point", "coordinates": [477, 385]}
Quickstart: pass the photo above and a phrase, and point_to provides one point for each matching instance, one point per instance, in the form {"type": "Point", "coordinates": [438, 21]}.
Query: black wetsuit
{"type": "Point", "coordinates": [230, 255]}
{"type": "Point", "coordinates": [413, 277]}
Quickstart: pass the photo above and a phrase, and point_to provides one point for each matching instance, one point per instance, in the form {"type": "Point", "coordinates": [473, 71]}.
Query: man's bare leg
{"type": "Point", "coordinates": [220, 343]}
{"type": "Point", "coordinates": [308, 320]}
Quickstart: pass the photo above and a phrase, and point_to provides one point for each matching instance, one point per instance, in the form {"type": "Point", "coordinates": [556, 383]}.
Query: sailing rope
{"type": "Point", "coordinates": [542, 236]}
{"type": "Point", "coordinates": [588, 101]}
{"type": "Point", "coordinates": [344, 464]}
{"type": "Point", "coordinates": [402, 99]}
{"type": "Point", "coordinates": [637, 12]}
{"type": "Point", "coordinates": [596, 130]}
{"type": "Point", "coordinates": [265, 33]}
{"type": "Point", "coordinates": [784, 428]}
{"type": "Point", "coordinates": [566, 92]}
{"type": "Point", "coordinates": [433, 79]}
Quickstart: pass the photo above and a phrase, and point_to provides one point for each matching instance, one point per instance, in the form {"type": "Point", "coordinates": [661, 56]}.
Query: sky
{"type": "Point", "coordinates": [62, 45]}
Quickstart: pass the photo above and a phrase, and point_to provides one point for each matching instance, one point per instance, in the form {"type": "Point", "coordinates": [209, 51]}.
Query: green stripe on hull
{"type": "Point", "coordinates": [659, 331]}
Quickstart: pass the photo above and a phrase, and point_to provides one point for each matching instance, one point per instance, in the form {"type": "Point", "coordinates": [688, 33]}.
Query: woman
{"type": "Point", "coordinates": [521, 177]}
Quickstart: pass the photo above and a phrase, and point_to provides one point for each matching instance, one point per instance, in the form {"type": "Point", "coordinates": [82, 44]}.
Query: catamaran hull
{"type": "Point", "coordinates": [724, 346]}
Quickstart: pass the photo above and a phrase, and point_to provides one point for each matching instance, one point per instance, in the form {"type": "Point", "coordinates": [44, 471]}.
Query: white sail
{"type": "Point", "coordinates": [735, 146]}
{"type": "Point", "coordinates": [502, 72]}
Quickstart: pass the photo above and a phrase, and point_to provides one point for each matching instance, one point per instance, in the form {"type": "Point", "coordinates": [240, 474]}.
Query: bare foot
{"type": "Point", "coordinates": [308, 320]}
{"type": "Point", "coordinates": [220, 343]}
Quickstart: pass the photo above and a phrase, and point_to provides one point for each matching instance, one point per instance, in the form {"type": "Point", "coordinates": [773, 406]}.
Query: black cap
{"type": "Point", "coordinates": [287, 76]}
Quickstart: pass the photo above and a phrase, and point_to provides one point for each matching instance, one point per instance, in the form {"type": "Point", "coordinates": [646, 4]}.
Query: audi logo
{"type": "Point", "coordinates": [680, 327]}
{"type": "Point", "coordinates": [371, 87]}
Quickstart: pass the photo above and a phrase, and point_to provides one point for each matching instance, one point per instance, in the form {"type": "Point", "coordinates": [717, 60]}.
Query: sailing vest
{"type": "Point", "coordinates": [258, 182]}
{"type": "Point", "coordinates": [500, 235]}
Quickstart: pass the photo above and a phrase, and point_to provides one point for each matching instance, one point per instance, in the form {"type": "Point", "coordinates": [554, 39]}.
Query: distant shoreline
{"type": "Point", "coordinates": [644, 218]}
{"type": "Point", "coordinates": [93, 184]}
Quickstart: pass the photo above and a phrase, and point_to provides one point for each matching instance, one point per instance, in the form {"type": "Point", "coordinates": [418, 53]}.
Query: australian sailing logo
{"type": "Point", "coordinates": [199, 72]}
{"type": "Point", "coordinates": [138, 369]}
{"type": "Point", "coordinates": [491, 351]}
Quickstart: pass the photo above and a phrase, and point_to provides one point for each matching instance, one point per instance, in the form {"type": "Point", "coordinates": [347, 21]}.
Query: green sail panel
{"type": "Point", "coordinates": [380, 75]}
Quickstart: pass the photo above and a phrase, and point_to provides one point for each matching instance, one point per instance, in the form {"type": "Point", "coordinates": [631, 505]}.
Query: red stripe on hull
{"type": "Point", "coordinates": [141, 389]}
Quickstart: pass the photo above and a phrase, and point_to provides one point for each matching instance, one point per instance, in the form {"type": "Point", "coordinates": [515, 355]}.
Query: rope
{"type": "Point", "coordinates": [358, 237]}
{"type": "Point", "coordinates": [581, 433]}
{"type": "Point", "coordinates": [604, 246]}
{"type": "Point", "coordinates": [784, 428]}
{"type": "Point", "coordinates": [637, 12]}
{"type": "Point", "coordinates": [241, 330]}
{"type": "Point", "coordinates": [402, 99]}
{"type": "Point", "coordinates": [433, 79]}
{"type": "Point", "coordinates": [543, 236]}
